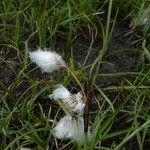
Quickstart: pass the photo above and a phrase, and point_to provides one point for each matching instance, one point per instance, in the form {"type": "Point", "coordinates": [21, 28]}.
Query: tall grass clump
{"type": "Point", "coordinates": [117, 113]}
{"type": "Point", "coordinates": [49, 19]}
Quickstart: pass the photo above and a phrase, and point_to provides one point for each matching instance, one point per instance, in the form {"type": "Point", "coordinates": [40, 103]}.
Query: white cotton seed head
{"type": "Point", "coordinates": [60, 93]}
{"type": "Point", "coordinates": [79, 108]}
{"type": "Point", "coordinates": [74, 102]}
{"type": "Point", "coordinates": [47, 61]}
{"type": "Point", "coordinates": [71, 128]}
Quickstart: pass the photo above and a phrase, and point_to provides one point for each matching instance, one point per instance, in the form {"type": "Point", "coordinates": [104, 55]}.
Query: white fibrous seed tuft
{"type": "Point", "coordinates": [47, 61]}
{"type": "Point", "coordinates": [60, 93]}
{"type": "Point", "coordinates": [74, 102]}
{"type": "Point", "coordinates": [70, 127]}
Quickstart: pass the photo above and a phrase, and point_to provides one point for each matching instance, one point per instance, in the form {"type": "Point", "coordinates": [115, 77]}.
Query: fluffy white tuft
{"type": "Point", "coordinates": [47, 61]}
{"type": "Point", "coordinates": [71, 128]}
{"type": "Point", "coordinates": [60, 93]}
{"type": "Point", "coordinates": [74, 102]}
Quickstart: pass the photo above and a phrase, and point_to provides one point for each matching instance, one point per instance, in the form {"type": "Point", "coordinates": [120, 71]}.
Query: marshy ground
{"type": "Point", "coordinates": [103, 51]}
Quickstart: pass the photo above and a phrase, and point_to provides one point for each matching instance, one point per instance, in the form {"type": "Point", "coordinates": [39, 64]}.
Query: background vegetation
{"type": "Point", "coordinates": [106, 46]}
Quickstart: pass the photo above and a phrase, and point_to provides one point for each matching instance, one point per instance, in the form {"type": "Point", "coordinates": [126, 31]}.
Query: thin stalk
{"type": "Point", "coordinates": [74, 76]}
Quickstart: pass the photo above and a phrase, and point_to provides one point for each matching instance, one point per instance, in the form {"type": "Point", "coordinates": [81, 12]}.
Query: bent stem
{"type": "Point", "coordinates": [86, 111]}
{"type": "Point", "coordinates": [74, 76]}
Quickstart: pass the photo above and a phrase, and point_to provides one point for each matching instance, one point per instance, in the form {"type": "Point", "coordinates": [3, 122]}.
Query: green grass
{"type": "Point", "coordinates": [119, 115]}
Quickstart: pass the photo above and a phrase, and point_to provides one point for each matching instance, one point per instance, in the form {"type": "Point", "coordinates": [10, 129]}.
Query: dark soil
{"type": "Point", "coordinates": [119, 58]}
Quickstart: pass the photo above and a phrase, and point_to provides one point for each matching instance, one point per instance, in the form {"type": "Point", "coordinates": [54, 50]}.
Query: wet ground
{"type": "Point", "coordinates": [119, 58]}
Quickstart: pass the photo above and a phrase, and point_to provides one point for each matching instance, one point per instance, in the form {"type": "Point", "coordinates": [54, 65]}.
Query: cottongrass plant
{"type": "Point", "coordinates": [70, 126]}
{"type": "Point", "coordinates": [47, 61]}
{"type": "Point", "coordinates": [74, 102]}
